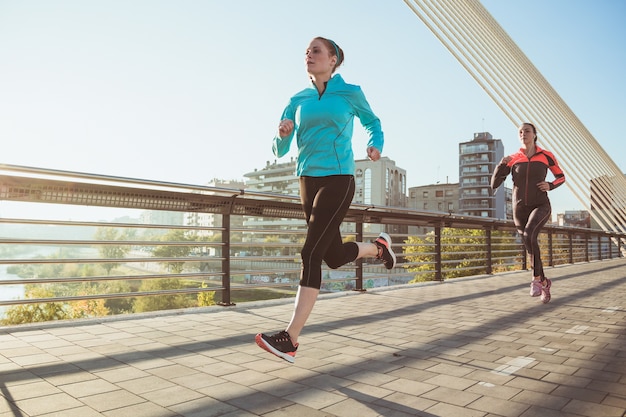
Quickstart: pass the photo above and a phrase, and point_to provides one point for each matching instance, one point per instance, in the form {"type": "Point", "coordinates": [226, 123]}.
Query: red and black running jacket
{"type": "Point", "coordinates": [527, 173]}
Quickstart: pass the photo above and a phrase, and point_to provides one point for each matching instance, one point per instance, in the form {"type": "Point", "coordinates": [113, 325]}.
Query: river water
{"type": "Point", "coordinates": [9, 292]}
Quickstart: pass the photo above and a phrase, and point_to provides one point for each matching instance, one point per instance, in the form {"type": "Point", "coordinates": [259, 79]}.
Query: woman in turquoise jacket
{"type": "Point", "coordinates": [321, 119]}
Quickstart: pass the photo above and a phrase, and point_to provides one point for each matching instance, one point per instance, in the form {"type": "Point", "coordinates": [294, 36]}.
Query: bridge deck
{"type": "Point", "coordinates": [471, 347]}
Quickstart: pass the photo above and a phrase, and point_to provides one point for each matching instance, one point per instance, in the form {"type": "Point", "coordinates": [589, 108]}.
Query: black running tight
{"type": "Point", "coordinates": [325, 201]}
{"type": "Point", "coordinates": [529, 220]}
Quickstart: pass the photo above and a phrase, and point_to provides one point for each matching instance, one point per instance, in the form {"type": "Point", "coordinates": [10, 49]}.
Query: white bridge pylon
{"type": "Point", "coordinates": [499, 66]}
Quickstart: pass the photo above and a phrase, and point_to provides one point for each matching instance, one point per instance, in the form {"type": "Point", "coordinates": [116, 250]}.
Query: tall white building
{"type": "Point", "coordinates": [275, 177]}
{"type": "Point", "coordinates": [379, 183]}
{"type": "Point", "coordinates": [208, 220]}
{"type": "Point", "coordinates": [477, 161]}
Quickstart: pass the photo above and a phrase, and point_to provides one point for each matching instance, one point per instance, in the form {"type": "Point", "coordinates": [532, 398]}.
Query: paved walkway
{"type": "Point", "coordinates": [471, 347]}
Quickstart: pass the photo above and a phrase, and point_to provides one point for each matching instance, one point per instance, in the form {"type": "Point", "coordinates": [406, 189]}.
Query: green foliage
{"type": "Point", "coordinates": [174, 251]}
{"type": "Point", "coordinates": [111, 251]}
{"type": "Point", "coordinates": [161, 302]}
{"type": "Point", "coordinates": [48, 311]}
{"type": "Point", "coordinates": [206, 298]}
{"type": "Point", "coordinates": [463, 252]}
{"type": "Point", "coordinates": [31, 313]}
{"type": "Point", "coordinates": [117, 305]}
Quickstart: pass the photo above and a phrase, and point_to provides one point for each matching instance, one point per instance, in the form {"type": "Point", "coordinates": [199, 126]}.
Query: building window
{"type": "Point", "coordinates": [450, 207]}
{"type": "Point", "coordinates": [425, 206]}
{"type": "Point", "coordinates": [425, 194]}
{"type": "Point", "coordinates": [367, 188]}
{"type": "Point", "coordinates": [439, 193]}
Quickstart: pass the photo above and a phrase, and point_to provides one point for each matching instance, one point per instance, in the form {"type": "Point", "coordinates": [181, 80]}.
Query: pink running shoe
{"type": "Point", "coordinates": [535, 288]}
{"type": "Point", "coordinates": [545, 291]}
{"type": "Point", "coordinates": [385, 253]}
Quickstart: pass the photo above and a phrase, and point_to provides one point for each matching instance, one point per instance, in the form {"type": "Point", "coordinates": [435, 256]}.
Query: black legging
{"type": "Point", "coordinates": [325, 201]}
{"type": "Point", "coordinates": [529, 220]}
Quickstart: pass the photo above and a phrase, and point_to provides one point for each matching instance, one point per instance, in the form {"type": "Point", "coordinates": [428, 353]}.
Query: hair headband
{"type": "Point", "coordinates": [336, 49]}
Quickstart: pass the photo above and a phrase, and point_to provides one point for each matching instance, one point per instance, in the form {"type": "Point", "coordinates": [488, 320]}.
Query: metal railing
{"type": "Point", "coordinates": [240, 245]}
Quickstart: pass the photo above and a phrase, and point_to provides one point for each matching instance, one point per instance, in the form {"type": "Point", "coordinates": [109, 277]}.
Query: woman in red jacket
{"type": "Point", "coordinates": [531, 206]}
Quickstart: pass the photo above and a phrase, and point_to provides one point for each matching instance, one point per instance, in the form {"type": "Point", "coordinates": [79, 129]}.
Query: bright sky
{"type": "Point", "coordinates": [187, 91]}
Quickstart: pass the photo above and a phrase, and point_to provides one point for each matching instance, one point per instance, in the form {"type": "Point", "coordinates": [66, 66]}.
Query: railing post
{"type": "Point", "coordinates": [359, 262]}
{"type": "Point", "coordinates": [489, 270]}
{"type": "Point", "coordinates": [226, 260]}
{"type": "Point", "coordinates": [438, 269]}
{"type": "Point", "coordinates": [571, 247]}
{"type": "Point", "coordinates": [550, 249]}
{"type": "Point", "coordinates": [599, 247]}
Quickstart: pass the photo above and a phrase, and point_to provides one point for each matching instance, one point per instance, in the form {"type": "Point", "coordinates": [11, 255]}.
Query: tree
{"type": "Point", "coordinates": [161, 302]}
{"type": "Point", "coordinates": [48, 311]}
{"type": "Point", "coordinates": [109, 251]}
{"type": "Point", "coordinates": [31, 313]}
{"type": "Point", "coordinates": [174, 251]}
{"type": "Point", "coordinates": [463, 252]}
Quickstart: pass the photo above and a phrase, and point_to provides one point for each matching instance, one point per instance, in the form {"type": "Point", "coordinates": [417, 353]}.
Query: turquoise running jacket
{"type": "Point", "coordinates": [323, 126]}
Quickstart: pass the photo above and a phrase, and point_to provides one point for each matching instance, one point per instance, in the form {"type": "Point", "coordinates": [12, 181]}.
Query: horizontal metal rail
{"type": "Point", "coordinates": [227, 258]}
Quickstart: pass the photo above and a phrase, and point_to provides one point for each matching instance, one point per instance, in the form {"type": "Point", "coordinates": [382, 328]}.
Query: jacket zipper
{"type": "Point", "coordinates": [527, 185]}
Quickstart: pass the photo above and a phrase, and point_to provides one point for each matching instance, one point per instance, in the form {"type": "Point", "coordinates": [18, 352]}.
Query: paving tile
{"type": "Point", "coordinates": [30, 390]}
{"type": "Point", "coordinates": [47, 404]}
{"type": "Point", "coordinates": [141, 410]}
{"type": "Point", "coordinates": [351, 407]}
{"type": "Point", "coordinates": [441, 349]}
{"type": "Point", "coordinates": [589, 409]}
{"type": "Point", "coordinates": [205, 407]}
{"type": "Point", "coordinates": [145, 384]}
{"type": "Point", "coordinates": [443, 409]}
{"type": "Point", "coordinates": [498, 406]}
{"type": "Point", "coordinates": [112, 400]}
{"type": "Point", "coordinates": [538, 411]}
{"type": "Point", "coordinates": [35, 359]}
{"type": "Point", "coordinates": [496, 391]}
{"type": "Point", "coordinates": [451, 396]}
{"type": "Point", "coordinates": [7, 406]}
{"type": "Point", "coordinates": [298, 410]}
{"type": "Point", "coordinates": [168, 397]}
{"type": "Point", "coordinates": [405, 403]}
{"type": "Point", "coordinates": [449, 381]}
{"type": "Point", "coordinates": [315, 398]}
{"type": "Point", "coordinates": [409, 387]}
{"type": "Point", "coordinates": [260, 403]}
{"type": "Point", "coordinates": [546, 401]}
{"type": "Point", "coordinates": [74, 412]}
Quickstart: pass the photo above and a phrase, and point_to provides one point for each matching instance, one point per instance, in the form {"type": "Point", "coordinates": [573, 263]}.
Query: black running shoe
{"type": "Point", "coordinates": [279, 344]}
{"type": "Point", "coordinates": [385, 253]}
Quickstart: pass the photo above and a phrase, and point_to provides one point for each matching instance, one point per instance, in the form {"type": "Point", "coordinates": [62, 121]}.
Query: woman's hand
{"type": "Point", "coordinates": [285, 127]}
{"type": "Point", "coordinates": [373, 154]}
{"type": "Point", "coordinates": [543, 186]}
